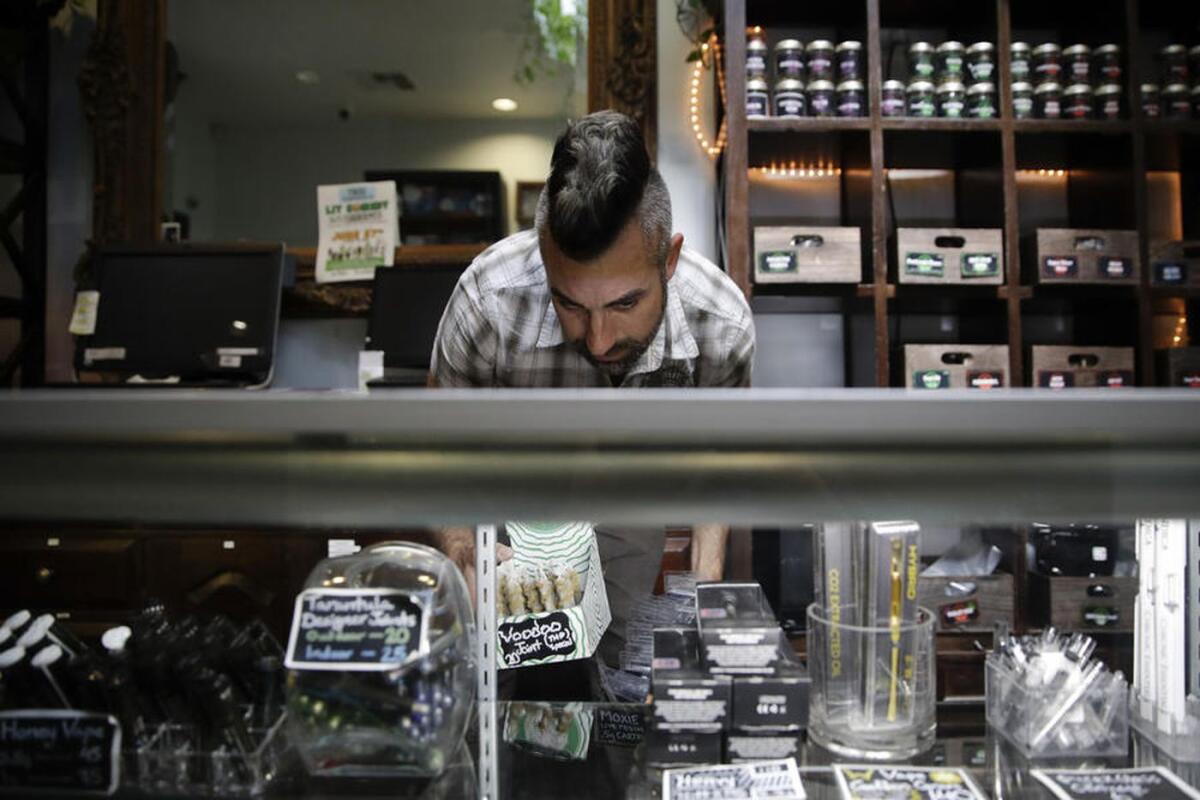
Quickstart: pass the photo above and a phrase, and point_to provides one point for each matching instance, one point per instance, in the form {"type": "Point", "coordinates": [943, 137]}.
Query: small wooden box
{"type": "Point", "coordinates": [1175, 263]}
{"type": "Point", "coordinates": [807, 254]}
{"type": "Point", "coordinates": [956, 366]}
{"type": "Point", "coordinates": [1072, 603]}
{"type": "Point", "coordinates": [1057, 367]}
{"type": "Point", "coordinates": [950, 255]}
{"type": "Point", "coordinates": [975, 611]}
{"type": "Point", "coordinates": [1179, 367]}
{"type": "Point", "coordinates": [1079, 255]}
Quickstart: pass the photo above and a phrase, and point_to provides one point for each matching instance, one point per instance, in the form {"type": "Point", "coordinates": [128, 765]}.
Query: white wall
{"type": "Point", "coordinates": [689, 172]}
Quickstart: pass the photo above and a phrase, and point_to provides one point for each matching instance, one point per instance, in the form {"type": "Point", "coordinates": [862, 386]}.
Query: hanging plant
{"type": "Point", "coordinates": [699, 20]}
{"type": "Point", "coordinates": [557, 30]}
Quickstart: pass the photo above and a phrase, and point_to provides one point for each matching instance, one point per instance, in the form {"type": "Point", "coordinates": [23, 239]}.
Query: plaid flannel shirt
{"type": "Point", "coordinates": [500, 328]}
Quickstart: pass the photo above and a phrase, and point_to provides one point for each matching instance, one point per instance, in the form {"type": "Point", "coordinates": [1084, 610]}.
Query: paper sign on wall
{"type": "Point", "coordinates": [358, 230]}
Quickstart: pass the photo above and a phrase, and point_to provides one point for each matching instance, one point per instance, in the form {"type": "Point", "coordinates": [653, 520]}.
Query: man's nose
{"type": "Point", "coordinates": [599, 337]}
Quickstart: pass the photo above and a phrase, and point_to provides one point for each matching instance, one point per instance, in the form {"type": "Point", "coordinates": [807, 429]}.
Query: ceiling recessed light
{"type": "Point", "coordinates": [504, 104]}
{"type": "Point", "coordinates": [308, 76]}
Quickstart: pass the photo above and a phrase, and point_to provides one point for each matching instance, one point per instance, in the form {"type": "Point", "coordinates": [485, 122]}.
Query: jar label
{"type": "Point", "coordinates": [789, 104]}
{"type": "Point", "coordinates": [756, 104]}
{"type": "Point", "coordinates": [892, 107]}
{"type": "Point", "coordinates": [821, 104]}
{"type": "Point", "coordinates": [952, 108]}
{"type": "Point", "coordinates": [922, 108]}
{"type": "Point", "coordinates": [980, 265]}
{"type": "Point", "coordinates": [952, 65]}
{"type": "Point", "coordinates": [1111, 71]}
{"type": "Point", "coordinates": [931, 379]}
{"type": "Point", "coordinates": [923, 69]}
{"type": "Point", "coordinates": [1080, 70]}
{"type": "Point", "coordinates": [983, 110]}
{"type": "Point", "coordinates": [1114, 267]}
{"type": "Point", "coordinates": [790, 64]}
{"type": "Point", "coordinates": [1050, 69]}
{"type": "Point", "coordinates": [1080, 109]}
{"type": "Point", "coordinates": [927, 265]}
{"type": "Point", "coordinates": [1060, 267]}
{"type": "Point", "coordinates": [1112, 109]}
{"type": "Point", "coordinates": [850, 107]}
{"type": "Point", "coordinates": [985, 379]}
{"type": "Point", "coordinates": [1151, 110]}
{"type": "Point", "coordinates": [1051, 109]}
{"type": "Point", "coordinates": [1022, 107]}
{"type": "Point", "coordinates": [819, 65]}
{"type": "Point", "coordinates": [848, 68]}
{"type": "Point", "coordinates": [981, 70]}
{"type": "Point", "coordinates": [756, 64]}
{"type": "Point", "coordinates": [1019, 68]}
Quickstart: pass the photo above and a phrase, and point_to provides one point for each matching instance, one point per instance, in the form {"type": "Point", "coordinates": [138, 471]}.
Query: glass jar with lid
{"type": "Point", "coordinates": [981, 100]}
{"type": "Point", "coordinates": [789, 59]}
{"type": "Point", "coordinates": [951, 99]}
{"type": "Point", "coordinates": [1019, 65]}
{"type": "Point", "coordinates": [819, 54]}
{"type": "Point", "coordinates": [849, 55]}
{"type": "Point", "coordinates": [1022, 100]}
{"type": "Point", "coordinates": [1047, 62]}
{"type": "Point", "coordinates": [756, 52]}
{"type": "Point", "coordinates": [1077, 63]}
{"type": "Point", "coordinates": [1047, 101]}
{"type": "Point", "coordinates": [789, 99]}
{"type": "Point", "coordinates": [892, 99]}
{"type": "Point", "coordinates": [950, 58]}
{"type": "Point", "coordinates": [920, 61]}
{"type": "Point", "coordinates": [922, 101]}
{"type": "Point", "coordinates": [1077, 101]}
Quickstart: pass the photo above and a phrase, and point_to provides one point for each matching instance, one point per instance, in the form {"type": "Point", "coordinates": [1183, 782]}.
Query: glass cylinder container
{"type": "Point", "coordinates": [921, 99]}
{"type": "Point", "coordinates": [758, 99]}
{"type": "Point", "coordinates": [981, 100]}
{"type": "Point", "coordinates": [892, 99]}
{"type": "Point", "coordinates": [1047, 62]}
{"type": "Point", "coordinates": [851, 99]}
{"type": "Point", "coordinates": [1019, 65]}
{"type": "Point", "coordinates": [950, 58]}
{"type": "Point", "coordinates": [756, 52]}
{"type": "Point", "coordinates": [1174, 59]}
{"type": "Point", "coordinates": [920, 61]}
{"type": "Point", "coordinates": [1106, 63]}
{"type": "Point", "coordinates": [1077, 63]}
{"type": "Point", "coordinates": [873, 688]}
{"type": "Point", "coordinates": [1077, 101]}
{"type": "Point", "coordinates": [849, 55]}
{"type": "Point", "coordinates": [1151, 101]}
{"type": "Point", "coordinates": [1176, 102]}
{"type": "Point", "coordinates": [1108, 101]}
{"type": "Point", "coordinates": [951, 100]}
{"type": "Point", "coordinates": [789, 99]}
{"type": "Point", "coordinates": [1047, 101]}
{"type": "Point", "coordinates": [821, 100]}
{"type": "Point", "coordinates": [981, 61]}
{"type": "Point", "coordinates": [789, 59]}
{"type": "Point", "coordinates": [819, 54]}
{"type": "Point", "coordinates": [1022, 98]}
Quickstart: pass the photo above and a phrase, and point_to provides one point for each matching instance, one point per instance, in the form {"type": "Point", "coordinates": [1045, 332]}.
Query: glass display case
{"type": "Point", "coordinates": [1063, 486]}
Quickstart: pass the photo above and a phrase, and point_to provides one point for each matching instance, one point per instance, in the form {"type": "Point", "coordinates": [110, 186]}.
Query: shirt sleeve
{"type": "Point", "coordinates": [464, 351]}
{"type": "Point", "coordinates": [735, 370]}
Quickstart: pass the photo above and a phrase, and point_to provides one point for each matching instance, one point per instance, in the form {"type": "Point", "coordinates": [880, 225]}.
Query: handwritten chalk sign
{"type": "Point", "coordinates": [368, 630]}
{"type": "Point", "coordinates": [864, 781]}
{"type": "Point", "coordinates": [535, 638]}
{"type": "Point", "coordinates": [59, 751]}
{"type": "Point", "coordinates": [620, 727]}
{"type": "Point", "coordinates": [1144, 783]}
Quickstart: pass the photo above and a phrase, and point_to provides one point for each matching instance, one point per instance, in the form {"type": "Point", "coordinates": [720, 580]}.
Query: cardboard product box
{"type": "Point", "coordinates": [553, 730]}
{"type": "Point", "coordinates": [1083, 603]}
{"type": "Point", "coordinates": [1175, 263]}
{"type": "Point", "coordinates": [772, 702]}
{"type": "Point", "coordinates": [807, 254]}
{"type": "Point", "coordinates": [685, 697]}
{"type": "Point", "coordinates": [1179, 367]}
{"type": "Point", "coordinates": [1079, 255]}
{"type": "Point", "coordinates": [950, 255]}
{"type": "Point", "coordinates": [967, 603]}
{"type": "Point", "coordinates": [739, 634]}
{"type": "Point", "coordinates": [1058, 367]}
{"type": "Point", "coordinates": [741, 746]}
{"type": "Point", "coordinates": [666, 748]}
{"type": "Point", "coordinates": [956, 366]}
{"type": "Point", "coordinates": [564, 634]}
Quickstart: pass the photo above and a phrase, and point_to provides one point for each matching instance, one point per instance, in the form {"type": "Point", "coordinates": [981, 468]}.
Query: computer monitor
{"type": "Point", "coordinates": [200, 313]}
{"type": "Point", "coordinates": [406, 308]}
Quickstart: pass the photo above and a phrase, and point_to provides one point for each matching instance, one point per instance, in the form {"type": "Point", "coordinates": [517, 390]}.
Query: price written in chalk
{"type": "Point", "coordinates": [59, 751]}
{"type": "Point", "coordinates": [356, 629]}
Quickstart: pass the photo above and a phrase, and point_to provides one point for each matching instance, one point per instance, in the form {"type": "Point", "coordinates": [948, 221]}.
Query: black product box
{"type": "Point", "coordinates": [685, 697]}
{"type": "Point", "coordinates": [772, 702]}
{"type": "Point", "coordinates": [741, 746]}
{"type": "Point", "coordinates": [669, 748]}
{"type": "Point", "coordinates": [739, 634]}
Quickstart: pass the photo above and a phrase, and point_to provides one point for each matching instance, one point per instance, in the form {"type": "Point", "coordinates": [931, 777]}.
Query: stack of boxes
{"type": "Point", "coordinates": [730, 689]}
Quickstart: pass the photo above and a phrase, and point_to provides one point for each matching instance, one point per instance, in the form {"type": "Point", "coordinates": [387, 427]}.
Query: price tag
{"type": "Point", "coordinates": [860, 782]}
{"type": "Point", "coordinates": [83, 317]}
{"type": "Point", "coordinates": [364, 630]}
{"type": "Point", "coordinates": [1145, 783]}
{"type": "Point", "coordinates": [60, 752]}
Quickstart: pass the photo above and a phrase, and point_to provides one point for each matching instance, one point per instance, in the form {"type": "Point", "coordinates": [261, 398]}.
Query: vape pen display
{"type": "Point", "coordinates": [893, 564]}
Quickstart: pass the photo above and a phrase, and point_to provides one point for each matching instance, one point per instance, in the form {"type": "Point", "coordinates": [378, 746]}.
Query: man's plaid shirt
{"type": "Point", "coordinates": [500, 328]}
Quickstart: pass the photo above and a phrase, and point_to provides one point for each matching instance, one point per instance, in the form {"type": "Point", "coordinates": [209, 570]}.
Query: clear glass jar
{"type": "Point", "coordinates": [819, 54]}
{"type": "Point", "coordinates": [951, 61]}
{"type": "Point", "coordinates": [1077, 63]}
{"type": "Point", "coordinates": [1020, 62]}
{"type": "Point", "coordinates": [1047, 63]}
{"type": "Point", "coordinates": [851, 99]}
{"type": "Point", "coordinates": [1077, 101]}
{"type": "Point", "coordinates": [1151, 101]}
{"type": "Point", "coordinates": [1174, 59]}
{"type": "Point", "coordinates": [1047, 101]}
{"type": "Point", "coordinates": [920, 61]}
{"type": "Point", "coordinates": [981, 62]}
{"type": "Point", "coordinates": [756, 52]}
{"type": "Point", "coordinates": [922, 101]}
{"type": "Point", "coordinates": [951, 100]}
{"type": "Point", "coordinates": [981, 100]}
{"type": "Point", "coordinates": [892, 99]}
{"type": "Point", "coordinates": [1108, 101]}
{"type": "Point", "coordinates": [1106, 63]}
{"type": "Point", "coordinates": [1176, 101]}
{"type": "Point", "coordinates": [789, 59]}
{"type": "Point", "coordinates": [789, 99]}
{"type": "Point", "coordinates": [821, 99]}
{"type": "Point", "coordinates": [849, 57]}
{"type": "Point", "coordinates": [1022, 98]}
{"type": "Point", "coordinates": [758, 98]}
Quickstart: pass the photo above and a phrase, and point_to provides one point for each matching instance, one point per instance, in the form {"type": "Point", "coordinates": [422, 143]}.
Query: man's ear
{"type": "Point", "coordinates": [673, 254]}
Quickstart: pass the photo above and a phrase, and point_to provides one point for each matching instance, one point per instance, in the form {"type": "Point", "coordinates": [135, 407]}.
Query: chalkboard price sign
{"type": "Point", "coordinates": [59, 751]}
{"type": "Point", "coordinates": [1145, 783]}
{"type": "Point", "coordinates": [535, 638]}
{"type": "Point", "coordinates": [368, 630]}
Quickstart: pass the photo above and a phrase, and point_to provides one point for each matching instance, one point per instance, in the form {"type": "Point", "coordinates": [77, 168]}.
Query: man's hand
{"type": "Point", "coordinates": [708, 551]}
{"type": "Point", "coordinates": [459, 546]}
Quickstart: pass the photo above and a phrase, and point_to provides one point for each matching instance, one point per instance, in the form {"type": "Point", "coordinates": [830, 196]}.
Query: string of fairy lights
{"type": "Point", "coordinates": [710, 49]}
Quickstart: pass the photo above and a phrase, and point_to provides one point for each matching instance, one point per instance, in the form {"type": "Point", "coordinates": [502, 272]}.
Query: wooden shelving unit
{"type": "Point", "coordinates": [1105, 163]}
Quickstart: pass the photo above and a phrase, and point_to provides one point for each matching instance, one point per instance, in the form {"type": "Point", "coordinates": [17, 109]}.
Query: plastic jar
{"type": "Point", "coordinates": [1022, 98]}
{"type": "Point", "coordinates": [1176, 101]}
{"type": "Point", "coordinates": [788, 99]}
{"type": "Point", "coordinates": [1077, 101]}
{"type": "Point", "coordinates": [981, 62]}
{"type": "Point", "coordinates": [1151, 101]}
{"type": "Point", "coordinates": [758, 99]}
{"type": "Point", "coordinates": [921, 99]}
{"type": "Point", "coordinates": [951, 60]}
{"type": "Point", "coordinates": [892, 99]}
{"type": "Point", "coordinates": [849, 56]}
{"type": "Point", "coordinates": [1077, 63]}
{"type": "Point", "coordinates": [821, 99]}
{"type": "Point", "coordinates": [1047, 101]}
{"type": "Point", "coordinates": [789, 59]}
{"type": "Point", "coordinates": [1108, 101]}
{"type": "Point", "coordinates": [756, 52]}
{"type": "Point", "coordinates": [920, 61]}
{"type": "Point", "coordinates": [819, 55]}
{"type": "Point", "coordinates": [1174, 63]}
{"type": "Point", "coordinates": [1047, 63]}
{"type": "Point", "coordinates": [1019, 66]}
{"type": "Point", "coordinates": [952, 100]}
{"type": "Point", "coordinates": [851, 99]}
{"type": "Point", "coordinates": [981, 100]}
{"type": "Point", "coordinates": [1106, 63]}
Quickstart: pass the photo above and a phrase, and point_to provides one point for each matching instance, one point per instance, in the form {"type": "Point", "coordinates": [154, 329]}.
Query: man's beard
{"type": "Point", "coordinates": [633, 348]}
